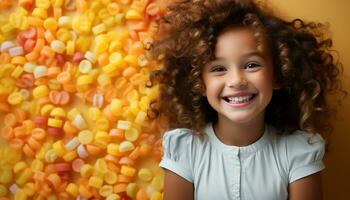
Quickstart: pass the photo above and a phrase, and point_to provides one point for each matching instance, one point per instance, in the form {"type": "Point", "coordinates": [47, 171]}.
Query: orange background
{"type": "Point", "coordinates": [336, 176]}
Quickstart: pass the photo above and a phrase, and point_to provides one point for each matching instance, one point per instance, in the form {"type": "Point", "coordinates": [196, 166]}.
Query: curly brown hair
{"type": "Point", "coordinates": [304, 64]}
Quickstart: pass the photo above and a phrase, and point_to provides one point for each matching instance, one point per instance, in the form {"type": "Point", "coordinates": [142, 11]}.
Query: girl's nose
{"type": "Point", "coordinates": [237, 80]}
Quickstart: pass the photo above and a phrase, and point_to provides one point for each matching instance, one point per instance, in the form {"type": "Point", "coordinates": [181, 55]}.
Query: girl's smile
{"type": "Point", "coordinates": [239, 82]}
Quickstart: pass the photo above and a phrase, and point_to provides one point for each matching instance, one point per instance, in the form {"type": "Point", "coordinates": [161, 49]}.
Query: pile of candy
{"type": "Point", "coordinates": [74, 104]}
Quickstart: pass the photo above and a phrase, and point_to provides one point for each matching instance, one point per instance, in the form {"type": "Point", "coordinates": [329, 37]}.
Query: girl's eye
{"type": "Point", "coordinates": [251, 66]}
{"type": "Point", "coordinates": [218, 69]}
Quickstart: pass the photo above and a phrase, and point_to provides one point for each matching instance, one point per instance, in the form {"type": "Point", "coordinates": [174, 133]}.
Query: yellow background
{"type": "Point", "coordinates": [336, 176]}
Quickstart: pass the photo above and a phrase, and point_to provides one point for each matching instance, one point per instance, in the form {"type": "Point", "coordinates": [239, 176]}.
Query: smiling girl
{"type": "Point", "coordinates": [244, 95]}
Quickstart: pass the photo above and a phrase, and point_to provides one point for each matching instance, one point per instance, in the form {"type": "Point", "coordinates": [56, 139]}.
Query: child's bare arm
{"type": "Point", "coordinates": [176, 187]}
{"type": "Point", "coordinates": [307, 188]}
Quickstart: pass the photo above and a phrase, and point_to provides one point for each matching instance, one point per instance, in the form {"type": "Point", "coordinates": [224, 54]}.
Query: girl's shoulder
{"type": "Point", "coordinates": [302, 153]}
{"type": "Point", "coordinates": [180, 137]}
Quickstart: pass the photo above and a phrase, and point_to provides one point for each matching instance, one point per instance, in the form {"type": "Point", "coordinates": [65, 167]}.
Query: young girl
{"type": "Point", "coordinates": [244, 94]}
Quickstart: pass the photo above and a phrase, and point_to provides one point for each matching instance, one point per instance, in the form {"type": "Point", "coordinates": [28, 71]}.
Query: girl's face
{"type": "Point", "coordinates": [239, 82]}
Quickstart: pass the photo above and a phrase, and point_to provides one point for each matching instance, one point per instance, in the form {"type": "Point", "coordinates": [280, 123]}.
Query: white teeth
{"type": "Point", "coordinates": [238, 99]}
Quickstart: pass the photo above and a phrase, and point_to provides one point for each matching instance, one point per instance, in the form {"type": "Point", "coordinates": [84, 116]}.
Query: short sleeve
{"type": "Point", "coordinates": [177, 148]}
{"type": "Point", "coordinates": [305, 152]}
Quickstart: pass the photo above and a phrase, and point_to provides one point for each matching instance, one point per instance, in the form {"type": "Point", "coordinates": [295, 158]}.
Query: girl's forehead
{"type": "Point", "coordinates": [237, 41]}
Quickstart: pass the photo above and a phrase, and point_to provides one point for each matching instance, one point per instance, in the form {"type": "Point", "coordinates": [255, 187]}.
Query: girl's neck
{"type": "Point", "coordinates": [239, 134]}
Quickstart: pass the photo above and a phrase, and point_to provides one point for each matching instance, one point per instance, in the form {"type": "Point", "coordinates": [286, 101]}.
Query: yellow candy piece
{"type": "Point", "coordinates": [110, 177]}
{"type": "Point", "coordinates": [110, 68]}
{"type": "Point", "coordinates": [116, 107]}
{"type": "Point", "coordinates": [17, 72]}
{"type": "Point", "coordinates": [40, 91]}
{"type": "Point", "coordinates": [15, 98]}
{"type": "Point", "coordinates": [40, 13]}
{"type": "Point", "coordinates": [94, 113]}
{"type": "Point", "coordinates": [102, 124]}
{"type": "Point", "coordinates": [85, 137]}
{"type": "Point", "coordinates": [99, 28]}
{"type": "Point", "coordinates": [29, 189]}
{"type": "Point", "coordinates": [131, 59]}
{"type": "Point", "coordinates": [70, 156]}
{"type": "Point", "coordinates": [20, 166]}
{"type": "Point", "coordinates": [113, 149]}
{"type": "Point", "coordinates": [132, 134]}
{"type": "Point", "coordinates": [50, 24]}
{"type": "Point", "coordinates": [131, 190]}
{"type": "Point", "coordinates": [116, 58]}
{"type": "Point", "coordinates": [72, 189]}
{"type": "Point", "coordinates": [6, 176]}
{"type": "Point", "coordinates": [50, 156]}
{"type": "Point", "coordinates": [103, 79]}
{"type": "Point", "coordinates": [158, 182]}
{"type": "Point", "coordinates": [95, 182]}
{"type": "Point", "coordinates": [3, 190]}
{"type": "Point", "coordinates": [156, 196]}
{"type": "Point", "coordinates": [102, 139]}
{"type": "Point", "coordinates": [113, 197]}
{"type": "Point", "coordinates": [86, 170]}
{"type": "Point", "coordinates": [140, 117]}
{"type": "Point", "coordinates": [133, 15]}
{"type": "Point", "coordinates": [44, 4]}
{"type": "Point", "coordinates": [63, 35]}
{"type": "Point", "coordinates": [59, 148]}
{"type": "Point", "coordinates": [23, 177]}
{"type": "Point", "coordinates": [58, 112]}
{"type": "Point", "coordinates": [72, 114]}
{"type": "Point", "coordinates": [70, 48]}
{"type": "Point", "coordinates": [85, 80]}
{"type": "Point", "coordinates": [85, 66]}
{"type": "Point", "coordinates": [106, 190]}
{"type": "Point", "coordinates": [114, 46]}
{"type": "Point", "coordinates": [20, 194]}
{"type": "Point", "coordinates": [83, 191]}
{"type": "Point", "coordinates": [128, 171]}
{"type": "Point", "coordinates": [46, 109]}
{"type": "Point", "coordinates": [145, 174]}
{"type": "Point", "coordinates": [55, 123]}
{"type": "Point", "coordinates": [109, 22]}
{"type": "Point", "coordinates": [37, 165]}
{"type": "Point", "coordinates": [83, 43]}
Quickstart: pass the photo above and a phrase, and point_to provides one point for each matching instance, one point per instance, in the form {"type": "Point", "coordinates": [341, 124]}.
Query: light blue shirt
{"type": "Point", "coordinates": [261, 170]}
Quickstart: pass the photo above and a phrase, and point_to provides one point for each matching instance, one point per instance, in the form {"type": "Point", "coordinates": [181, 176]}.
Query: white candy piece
{"type": "Point", "coordinates": [81, 198]}
{"type": "Point", "coordinates": [124, 125]}
{"type": "Point", "coordinates": [79, 122]}
{"type": "Point", "coordinates": [82, 153]}
{"type": "Point", "coordinates": [72, 144]}
{"type": "Point", "coordinates": [90, 56]}
{"type": "Point", "coordinates": [13, 188]}
{"type": "Point", "coordinates": [65, 22]}
{"type": "Point", "coordinates": [40, 71]}
{"type": "Point", "coordinates": [16, 51]}
{"type": "Point", "coordinates": [126, 146]}
{"type": "Point", "coordinates": [97, 100]}
{"type": "Point", "coordinates": [6, 45]}
{"type": "Point", "coordinates": [28, 67]}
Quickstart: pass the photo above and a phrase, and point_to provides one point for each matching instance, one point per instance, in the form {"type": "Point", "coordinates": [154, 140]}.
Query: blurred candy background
{"type": "Point", "coordinates": [75, 120]}
{"type": "Point", "coordinates": [74, 105]}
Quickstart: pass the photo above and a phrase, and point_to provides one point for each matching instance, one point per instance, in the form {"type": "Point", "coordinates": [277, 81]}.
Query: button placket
{"type": "Point", "coordinates": [237, 179]}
